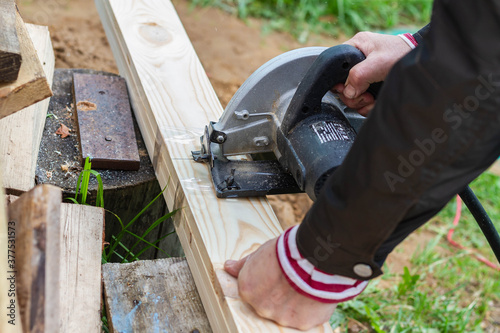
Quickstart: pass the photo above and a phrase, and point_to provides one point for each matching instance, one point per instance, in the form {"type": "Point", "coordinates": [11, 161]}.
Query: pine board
{"type": "Point", "coordinates": [21, 132]}
{"type": "Point", "coordinates": [31, 85]}
{"type": "Point", "coordinates": [173, 100]}
{"type": "Point", "coordinates": [153, 296]}
{"type": "Point", "coordinates": [80, 280]}
{"type": "Point", "coordinates": [10, 50]}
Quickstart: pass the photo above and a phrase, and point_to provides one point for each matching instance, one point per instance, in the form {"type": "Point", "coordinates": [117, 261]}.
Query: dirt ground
{"type": "Point", "coordinates": [229, 49]}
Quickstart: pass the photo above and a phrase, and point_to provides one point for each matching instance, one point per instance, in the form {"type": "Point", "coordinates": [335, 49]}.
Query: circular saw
{"type": "Point", "coordinates": [284, 131]}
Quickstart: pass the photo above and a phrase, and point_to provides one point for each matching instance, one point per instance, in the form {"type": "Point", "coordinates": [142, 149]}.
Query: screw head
{"type": "Point", "coordinates": [220, 139]}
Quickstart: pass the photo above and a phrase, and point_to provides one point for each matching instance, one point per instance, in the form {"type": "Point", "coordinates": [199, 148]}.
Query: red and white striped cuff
{"type": "Point", "coordinates": [307, 279]}
{"type": "Point", "coordinates": [409, 39]}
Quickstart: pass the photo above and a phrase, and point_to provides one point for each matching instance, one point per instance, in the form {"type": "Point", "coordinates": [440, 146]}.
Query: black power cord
{"type": "Point", "coordinates": [482, 218]}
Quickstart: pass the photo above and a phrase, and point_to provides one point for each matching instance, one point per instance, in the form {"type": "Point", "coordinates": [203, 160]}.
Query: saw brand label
{"type": "Point", "coordinates": [328, 131]}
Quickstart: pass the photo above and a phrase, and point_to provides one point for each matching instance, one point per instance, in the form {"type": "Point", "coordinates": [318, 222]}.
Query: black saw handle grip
{"type": "Point", "coordinates": [331, 67]}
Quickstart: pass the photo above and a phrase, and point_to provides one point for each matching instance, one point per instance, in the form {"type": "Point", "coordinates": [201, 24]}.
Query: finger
{"type": "Point", "coordinates": [338, 88]}
{"type": "Point", "coordinates": [233, 267]}
{"type": "Point", "coordinates": [359, 102]}
{"type": "Point", "coordinates": [364, 111]}
{"type": "Point", "coordinates": [359, 79]}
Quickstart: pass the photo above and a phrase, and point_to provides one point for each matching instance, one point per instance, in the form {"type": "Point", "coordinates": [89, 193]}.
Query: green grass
{"type": "Point", "coordinates": [445, 289]}
{"type": "Point", "coordinates": [303, 17]}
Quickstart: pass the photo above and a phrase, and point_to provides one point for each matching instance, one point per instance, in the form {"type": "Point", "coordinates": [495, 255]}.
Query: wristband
{"type": "Point", "coordinates": [307, 279]}
{"type": "Point", "coordinates": [409, 39]}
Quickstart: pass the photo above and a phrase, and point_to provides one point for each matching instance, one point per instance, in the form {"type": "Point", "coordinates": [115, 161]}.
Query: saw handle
{"type": "Point", "coordinates": [331, 67]}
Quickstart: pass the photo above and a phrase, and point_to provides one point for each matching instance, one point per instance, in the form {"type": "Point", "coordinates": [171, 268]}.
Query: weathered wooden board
{"type": "Point", "coordinates": [104, 119]}
{"type": "Point", "coordinates": [153, 296]}
{"type": "Point", "coordinates": [81, 230]}
{"type": "Point", "coordinates": [80, 257]}
{"type": "Point", "coordinates": [11, 320]}
{"type": "Point", "coordinates": [21, 132]}
{"type": "Point", "coordinates": [173, 100]}
{"type": "Point", "coordinates": [36, 215]}
{"type": "Point", "coordinates": [10, 50]}
{"type": "Point", "coordinates": [31, 85]}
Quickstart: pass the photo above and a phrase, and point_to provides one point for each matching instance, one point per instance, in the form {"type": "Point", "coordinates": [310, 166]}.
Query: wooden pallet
{"type": "Point", "coordinates": [153, 296]}
{"type": "Point", "coordinates": [21, 132]}
{"type": "Point", "coordinates": [31, 85]}
{"type": "Point", "coordinates": [10, 49]}
{"type": "Point", "coordinates": [173, 100]}
{"type": "Point", "coordinates": [57, 262]}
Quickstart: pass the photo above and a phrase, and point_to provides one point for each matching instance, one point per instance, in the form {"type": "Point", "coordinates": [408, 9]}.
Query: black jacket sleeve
{"type": "Point", "coordinates": [435, 127]}
{"type": "Point", "coordinates": [419, 35]}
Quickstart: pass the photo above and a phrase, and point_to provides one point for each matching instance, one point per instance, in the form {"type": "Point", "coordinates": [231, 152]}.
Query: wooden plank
{"type": "Point", "coordinates": [173, 100]}
{"type": "Point", "coordinates": [11, 321]}
{"type": "Point", "coordinates": [10, 50]}
{"type": "Point", "coordinates": [104, 119]}
{"type": "Point", "coordinates": [80, 280]}
{"type": "Point", "coordinates": [153, 296]}
{"type": "Point", "coordinates": [22, 131]}
{"type": "Point", "coordinates": [36, 215]}
{"type": "Point", "coordinates": [81, 231]}
{"type": "Point", "coordinates": [31, 85]}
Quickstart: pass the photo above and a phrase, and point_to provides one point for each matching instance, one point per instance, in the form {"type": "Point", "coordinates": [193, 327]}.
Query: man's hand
{"type": "Point", "coordinates": [382, 52]}
{"type": "Point", "coordinates": [262, 284]}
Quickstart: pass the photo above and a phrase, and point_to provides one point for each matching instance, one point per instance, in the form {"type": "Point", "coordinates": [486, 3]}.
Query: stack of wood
{"type": "Point", "coordinates": [50, 272]}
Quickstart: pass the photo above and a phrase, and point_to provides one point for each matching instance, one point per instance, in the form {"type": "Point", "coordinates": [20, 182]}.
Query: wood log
{"type": "Point", "coordinates": [80, 258]}
{"type": "Point", "coordinates": [126, 193]}
{"type": "Point", "coordinates": [173, 101]}
{"type": "Point", "coordinates": [36, 216]}
{"type": "Point", "coordinates": [153, 296]}
{"type": "Point", "coordinates": [11, 320]}
{"type": "Point", "coordinates": [22, 131]}
{"type": "Point", "coordinates": [31, 85]}
{"type": "Point", "coordinates": [10, 50]}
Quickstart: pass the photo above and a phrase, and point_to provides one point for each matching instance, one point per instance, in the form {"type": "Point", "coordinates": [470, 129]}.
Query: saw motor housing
{"type": "Point", "coordinates": [284, 131]}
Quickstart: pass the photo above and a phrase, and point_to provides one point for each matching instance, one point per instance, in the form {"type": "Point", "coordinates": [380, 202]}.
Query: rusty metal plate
{"type": "Point", "coordinates": [104, 121]}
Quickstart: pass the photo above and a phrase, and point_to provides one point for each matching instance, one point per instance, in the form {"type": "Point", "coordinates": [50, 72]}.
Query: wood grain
{"type": "Point", "coordinates": [10, 50]}
{"type": "Point", "coordinates": [80, 280]}
{"type": "Point", "coordinates": [11, 322]}
{"type": "Point", "coordinates": [22, 131]}
{"type": "Point", "coordinates": [153, 296]}
{"type": "Point", "coordinates": [31, 85]}
{"type": "Point", "coordinates": [36, 215]}
{"type": "Point", "coordinates": [173, 100]}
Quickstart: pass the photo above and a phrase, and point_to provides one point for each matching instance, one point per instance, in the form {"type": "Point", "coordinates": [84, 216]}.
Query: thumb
{"type": "Point", "coordinates": [359, 79]}
{"type": "Point", "coordinates": [233, 267]}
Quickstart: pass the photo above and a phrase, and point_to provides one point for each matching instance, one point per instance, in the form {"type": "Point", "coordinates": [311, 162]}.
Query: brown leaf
{"type": "Point", "coordinates": [63, 131]}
